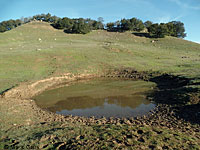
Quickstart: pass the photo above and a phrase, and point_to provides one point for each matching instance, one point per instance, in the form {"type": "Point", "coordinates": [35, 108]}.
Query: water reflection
{"type": "Point", "coordinates": [109, 98]}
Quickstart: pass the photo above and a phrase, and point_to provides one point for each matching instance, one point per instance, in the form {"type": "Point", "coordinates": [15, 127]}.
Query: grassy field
{"type": "Point", "coordinates": [36, 51]}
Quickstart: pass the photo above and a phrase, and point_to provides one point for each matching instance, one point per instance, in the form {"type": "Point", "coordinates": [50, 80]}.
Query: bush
{"type": "Point", "coordinates": [110, 26]}
{"type": "Point", "coordinates": [81, 28]}
{"type": "Point", "coordinates": [10, 24]}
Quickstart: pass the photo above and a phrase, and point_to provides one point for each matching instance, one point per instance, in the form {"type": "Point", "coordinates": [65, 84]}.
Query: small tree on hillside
{"type": "Point", "coordinates": [110, 26]}
{"type": "Point", "coordinates": [148, 24]}
{"type": "Point", "coordinates": [47, 17]}
{"type": "Point", "coordinates": [125, 25]}
{"type": "Point", "coordinates": [81, 28]}
{"type": "Point", "coordinates": [179, 29]}
{"type": "Point", "coordinates": [100, 24]}
{"type": "Point", "coordinates": [100, 19]}
{"type": "Point", "coordinates": [136, 24]}
{"type": "Point", "coordinates": [157, 30]}
{"type": "Point", "coordinates": [132, 24]}
{"type": "Point", "coordinates": [2, 28]}
{"type": "Point", "coordinates": [64, 23]}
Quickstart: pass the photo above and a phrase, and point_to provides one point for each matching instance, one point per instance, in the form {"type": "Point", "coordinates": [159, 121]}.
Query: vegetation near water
{"type": "Point", "coordinates": [36, 50]}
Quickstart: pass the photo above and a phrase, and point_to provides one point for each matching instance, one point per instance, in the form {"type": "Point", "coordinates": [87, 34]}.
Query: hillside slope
{"type": "Point", "coordinates": [37, 50]}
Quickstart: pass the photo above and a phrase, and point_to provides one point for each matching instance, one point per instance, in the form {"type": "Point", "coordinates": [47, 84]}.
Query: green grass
{"type": "Point", "coordinates": [26, 58]}
{"type": "Point", "coordinates": [23, 57]}
{"type": "Point", "coordinates": [50, 136]}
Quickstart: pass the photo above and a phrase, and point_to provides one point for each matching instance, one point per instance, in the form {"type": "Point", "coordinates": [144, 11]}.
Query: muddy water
{"type": "Point", "coordinates": [99, 97]}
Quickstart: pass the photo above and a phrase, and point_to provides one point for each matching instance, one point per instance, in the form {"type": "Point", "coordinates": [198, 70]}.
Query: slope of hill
{"type": "Point", "coordinates": [36, 51]}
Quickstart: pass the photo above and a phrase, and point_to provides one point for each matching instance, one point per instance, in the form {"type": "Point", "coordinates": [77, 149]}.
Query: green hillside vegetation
{"type": "Point", "coordinates": [36, 50]}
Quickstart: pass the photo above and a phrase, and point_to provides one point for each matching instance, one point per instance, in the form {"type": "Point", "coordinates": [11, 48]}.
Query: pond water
{"type": "Point", "coordinates": [99, 97]}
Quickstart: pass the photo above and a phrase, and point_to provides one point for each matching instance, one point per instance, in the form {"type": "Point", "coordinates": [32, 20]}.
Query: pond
{"type": "Point", "coordinates": [99, 97]}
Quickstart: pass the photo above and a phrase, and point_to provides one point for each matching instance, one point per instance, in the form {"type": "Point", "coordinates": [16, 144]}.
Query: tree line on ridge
{"type": "Point", "coordinates": [84, 26]}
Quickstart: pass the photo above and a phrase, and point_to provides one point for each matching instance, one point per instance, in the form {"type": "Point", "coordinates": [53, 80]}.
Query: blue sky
{"type": "Point", "coordinates": [187, 11]}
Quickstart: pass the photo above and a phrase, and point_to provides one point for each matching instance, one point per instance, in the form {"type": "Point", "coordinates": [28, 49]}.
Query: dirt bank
{"type": "Point", "coordinates": [28, 90]}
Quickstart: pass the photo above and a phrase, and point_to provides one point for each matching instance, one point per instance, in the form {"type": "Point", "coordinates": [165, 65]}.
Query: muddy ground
{"type": "Point", "coordinates": [174, 124]}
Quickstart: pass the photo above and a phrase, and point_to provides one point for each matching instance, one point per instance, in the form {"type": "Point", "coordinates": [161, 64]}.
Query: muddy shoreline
{"type": "Point", "coordinates": [172, 112]}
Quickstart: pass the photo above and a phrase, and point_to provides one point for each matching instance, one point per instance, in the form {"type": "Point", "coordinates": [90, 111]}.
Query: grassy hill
{"type": "Point", "coordinates": [36, 50]}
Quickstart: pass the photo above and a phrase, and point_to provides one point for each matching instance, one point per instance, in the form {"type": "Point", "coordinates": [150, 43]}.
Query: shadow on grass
{"type": "Point", "coordinates": [177, 92]}
{"type": "Point", "coordinates": [140, 34]}
{"type": "Point", "coordinates": [147, 35]}
{"type": "Point", "coordinates": [4, 91]}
